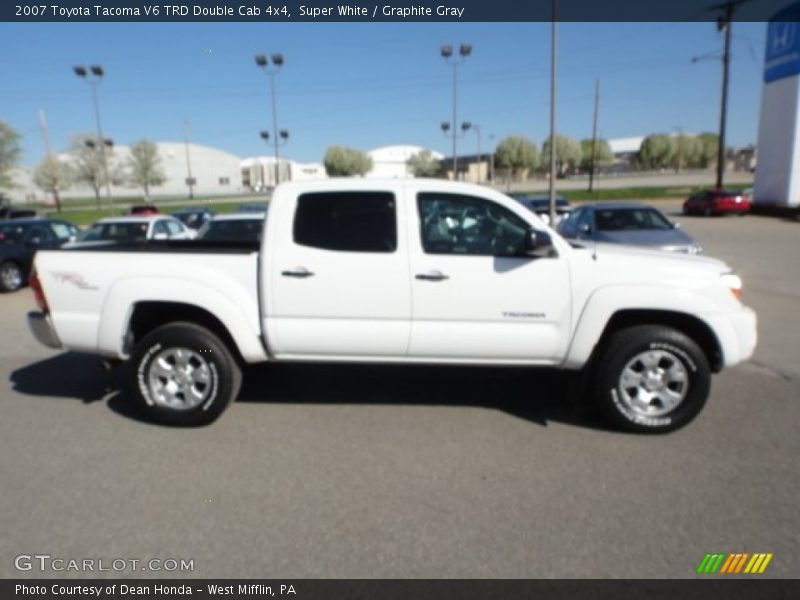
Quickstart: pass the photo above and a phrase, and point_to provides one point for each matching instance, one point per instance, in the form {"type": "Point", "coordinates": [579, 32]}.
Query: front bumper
{"type": "Point", "coordinates": [42, 328]}
{"type": "Point", "coordinates": [737, 335]}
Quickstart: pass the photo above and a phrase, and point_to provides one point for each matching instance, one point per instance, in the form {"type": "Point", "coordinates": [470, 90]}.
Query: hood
{"type": "Point", "coordinates": [649, 237]}
{"type": "Point", "coordinates": [656, 264]}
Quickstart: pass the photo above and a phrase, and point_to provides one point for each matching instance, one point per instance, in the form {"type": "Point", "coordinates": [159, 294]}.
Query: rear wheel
{"type": "Point", "coordinates": [184, 375]}
{"type": "Point", "coordinates": [11, 278]}
{"type": "Point", "coordinates": [651, 379]}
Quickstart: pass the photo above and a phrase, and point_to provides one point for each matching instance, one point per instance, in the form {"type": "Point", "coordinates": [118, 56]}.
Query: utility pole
{"type": "Point", "coordinates": [189, 178]}
{"type": "Point", "coordinates": [50, 159]}
{"type": "Point", "coordinates": [724, 23]}
{"type": "Point", "coordinates": [553, 81]}
{"type": "Point", "coordinates": [594, 133]}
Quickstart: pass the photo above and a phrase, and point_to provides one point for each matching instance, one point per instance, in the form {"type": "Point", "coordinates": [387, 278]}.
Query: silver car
{"type": "Point", "coordinates": [627, 223]}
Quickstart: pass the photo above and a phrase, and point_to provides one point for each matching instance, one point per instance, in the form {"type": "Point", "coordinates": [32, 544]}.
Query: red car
{"type": "Point", "coordinates": [144, 209]}
{"type": "Point", "coordinates": [717, 202]}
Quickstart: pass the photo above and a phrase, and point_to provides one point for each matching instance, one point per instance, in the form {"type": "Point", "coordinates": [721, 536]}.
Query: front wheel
{"type": "Point", "coordinates": [184, 375]}
{"type": "Point", "coordinates": [651, 379]}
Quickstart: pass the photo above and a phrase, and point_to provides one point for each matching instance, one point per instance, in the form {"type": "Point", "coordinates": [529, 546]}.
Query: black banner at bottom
{"type": "Point", "coordinates": [405, 589]}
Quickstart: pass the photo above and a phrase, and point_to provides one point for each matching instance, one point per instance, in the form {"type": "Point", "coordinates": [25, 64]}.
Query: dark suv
{"type": "Point", "coordinates": [19, 241]}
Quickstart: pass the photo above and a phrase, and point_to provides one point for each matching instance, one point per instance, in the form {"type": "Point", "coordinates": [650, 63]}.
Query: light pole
{"type": "Point", "coordinates": [477, 129]}
{"type": "Point", "coordinates": [553, 82]}
{"type": "Point", "coordinates": [284, 137]}
{"type": "Point", "coordinates": [93, 76]}
{"type": "Point", "coordinates": [465, 126]}
{"type": "Point", "coordinates": [464, 51]}
{"type": "Point", "coordinates": [189, 179]}
{"type": "Point", "coordinates": [264, 64]}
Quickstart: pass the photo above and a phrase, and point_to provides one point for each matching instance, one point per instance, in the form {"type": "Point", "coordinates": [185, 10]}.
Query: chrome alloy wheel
{"type": "Point", "coordinates": [653, 383]}
{"type": "Point", "coordinates": [179, 379]}
{"type": "Point", "coordinates": [11, 275]}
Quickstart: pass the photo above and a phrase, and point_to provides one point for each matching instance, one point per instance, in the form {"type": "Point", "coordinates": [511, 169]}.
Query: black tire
{"type": "Point", "coordinates": [677, 353]}
{"type": "Point", "coordinates": [223, 375]}
{"type": "Point", "coordinates": [11, 278]}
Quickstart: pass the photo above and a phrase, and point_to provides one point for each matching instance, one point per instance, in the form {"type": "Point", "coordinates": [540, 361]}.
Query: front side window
{"type": "Point", "coordinates": [456, 224]}
{"type": "Point", "coordinates": [347, 221]}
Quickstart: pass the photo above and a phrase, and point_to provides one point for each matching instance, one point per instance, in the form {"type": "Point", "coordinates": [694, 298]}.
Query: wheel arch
{"type": "Point", "coordinates": [693, 327]}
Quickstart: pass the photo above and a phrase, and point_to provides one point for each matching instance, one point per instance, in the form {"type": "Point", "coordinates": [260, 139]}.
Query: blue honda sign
{"type": "Point", "coordinates": [782, 57]}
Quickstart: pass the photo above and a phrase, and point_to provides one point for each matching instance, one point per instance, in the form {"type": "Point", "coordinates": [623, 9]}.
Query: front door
{"type": "Point", "coordinates": [476, 296]}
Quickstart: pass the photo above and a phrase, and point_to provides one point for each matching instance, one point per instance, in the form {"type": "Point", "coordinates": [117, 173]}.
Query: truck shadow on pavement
{"type": "Point", "coordinates": [535, 395]}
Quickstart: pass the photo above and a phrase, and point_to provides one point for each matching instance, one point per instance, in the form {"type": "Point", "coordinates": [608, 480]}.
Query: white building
{"type": "Point", "coordinates": [215, 172]}
{"type": "Point", "coordinates": [389, 162]}
{"type": "Point", "coordinates": [258, 172]}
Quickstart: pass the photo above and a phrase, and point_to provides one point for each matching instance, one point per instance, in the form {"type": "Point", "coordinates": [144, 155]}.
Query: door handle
{"type": "Point", "coordinates": [432, 276]}
{"type": "Point", "coordinates": [299, 272]}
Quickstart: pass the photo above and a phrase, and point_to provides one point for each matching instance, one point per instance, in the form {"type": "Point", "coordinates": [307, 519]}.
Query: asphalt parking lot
{"type": "Point", "coordinates": [365, 471]}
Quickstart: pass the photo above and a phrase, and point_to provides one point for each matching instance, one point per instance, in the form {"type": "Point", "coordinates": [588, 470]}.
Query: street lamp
{"type": "Point", "coordinates": [283, 134]}
{"type": "Point", "coordinates": [276, 60]}
{"type": "Point", "coordinates": [93, 76]}
{"type": "Point", "coordinates": [447, 53]}
{"type": "Point", "coordinates": [465, 126]}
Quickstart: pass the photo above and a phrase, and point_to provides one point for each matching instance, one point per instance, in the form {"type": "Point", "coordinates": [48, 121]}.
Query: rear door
{"type": "Point", "coordinates": [338, 279]}
{"type": "Point", "coordinates": [475, 295]}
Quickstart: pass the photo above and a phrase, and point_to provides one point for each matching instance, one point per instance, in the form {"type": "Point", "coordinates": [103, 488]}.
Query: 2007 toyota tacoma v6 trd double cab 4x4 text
{"type": "Point", "coordinates": [405, 271]}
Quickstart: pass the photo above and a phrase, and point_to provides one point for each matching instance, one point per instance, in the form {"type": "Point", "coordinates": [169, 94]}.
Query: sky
{"type": "Point", "coordinates": [366, 85]}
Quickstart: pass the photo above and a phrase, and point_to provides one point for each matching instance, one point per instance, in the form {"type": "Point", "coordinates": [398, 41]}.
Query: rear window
{"type": "Point", "coordinates": [347, 221]}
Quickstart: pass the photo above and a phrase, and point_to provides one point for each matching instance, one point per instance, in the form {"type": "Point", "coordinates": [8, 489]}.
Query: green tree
{"type": "Point", "coordinates": [346, 162]}
{"type": "Point", "coordinates": [515, 156]}
{"type": "Point", "coordinates": [603, 154]}
{"type": "Point", "coordinates": [656, 152]}
{"type": "Point", "coordinates": [53, 176]}
{"type": "Point", "coordinates": [423, 164]}
{"type": "Point", "coordinates": [87, 163]}
{"type": "Point", "coordinates": [568, 154]}
{"type": "Point", "coordinates": [687, 153]}
{"type": "Point", "coordinates": [10, 154]}
{"type": "Point", "coordinates": [709, 145]}
{"type": "Point", "coordinates": [145, 167]}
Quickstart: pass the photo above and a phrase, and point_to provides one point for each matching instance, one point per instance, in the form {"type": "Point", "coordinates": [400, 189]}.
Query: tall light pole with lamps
{"type": "Point", "coordinates": [464, 51]}
{"type": "Point", "coordinates": [263, 63]}
{"type": "Point", "coordinates": [284, 137]}
{"type": "Point", "coordinates": [93, 76]}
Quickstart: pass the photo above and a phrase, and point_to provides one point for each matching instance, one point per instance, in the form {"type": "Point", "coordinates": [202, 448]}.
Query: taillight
{"type": "Point", "coordinates": [38, 292]}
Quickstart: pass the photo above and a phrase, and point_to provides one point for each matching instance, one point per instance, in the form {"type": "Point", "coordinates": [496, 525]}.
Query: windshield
{"type": "Point", "coordinates": [117, 232]}
{"type": "Point", "coordinates": [630, 219]}
{"type": "Point", "coordinates": [246, 230]}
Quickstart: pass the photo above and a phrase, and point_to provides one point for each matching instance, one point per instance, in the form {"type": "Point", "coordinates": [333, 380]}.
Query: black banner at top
{"type": "Point", "coordinates": [277, 11]}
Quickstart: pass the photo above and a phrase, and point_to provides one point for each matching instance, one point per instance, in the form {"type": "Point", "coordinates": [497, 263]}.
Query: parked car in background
{"type": "Point", "coordinates": [135, 229]}
{"type": "Point", "coordinates": [717, 202]}
{"type": "Point", "coordinates": [541, 206]}
{"type": "Point", "coordinates": [19, 241]}
{"type": "Point", "coordinates": [258, 207]}
{"type": "Point", "coordinates": [627, 223]}
{"type": "Point", "coordinates": [241, 227]}
{"type": "Point", "coordinates": [12, 212]}
{"type": "Point", "coordinates": [143, 209]}
{"type": "Point", "coordinates": [194, 217]}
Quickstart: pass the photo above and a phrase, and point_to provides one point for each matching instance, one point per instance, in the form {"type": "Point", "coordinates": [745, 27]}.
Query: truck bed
{"type": "Point", "coordinates": [172, 247]}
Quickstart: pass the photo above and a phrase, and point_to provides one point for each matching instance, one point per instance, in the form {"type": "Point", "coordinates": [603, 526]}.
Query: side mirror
{"type": "Point", "coordinates": [539, 244]}
{"type": "Point", "coordinates": [585, 228]}
{"type": "Point", "coordinates": [160, 236]}
{"type": "Point", "coordinates": [676, 225]}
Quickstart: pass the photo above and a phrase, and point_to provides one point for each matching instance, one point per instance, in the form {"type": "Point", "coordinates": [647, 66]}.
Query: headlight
{"type": "Point", "coordinates": [734, 283]}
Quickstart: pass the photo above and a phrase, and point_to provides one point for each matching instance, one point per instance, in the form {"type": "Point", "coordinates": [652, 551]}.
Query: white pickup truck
{"type": "Point", "coordinates": [403, 271]}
